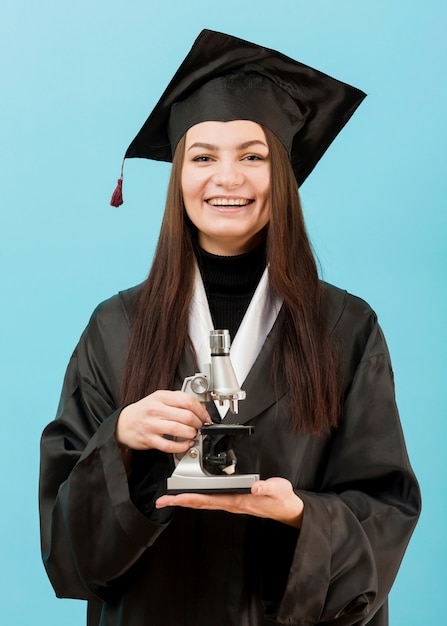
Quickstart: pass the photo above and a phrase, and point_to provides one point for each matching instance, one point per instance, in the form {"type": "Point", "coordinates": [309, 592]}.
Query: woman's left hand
{"type": "Point", "coordinates": [273, 498]}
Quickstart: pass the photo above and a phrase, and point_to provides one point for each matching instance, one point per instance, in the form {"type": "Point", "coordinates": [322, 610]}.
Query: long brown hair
{"type": "Point", "coordinates": [303, 352]}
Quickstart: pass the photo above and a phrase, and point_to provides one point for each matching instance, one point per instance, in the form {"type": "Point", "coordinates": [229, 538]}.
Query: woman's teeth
{"type": "Point", "coordinates": [228, 201]}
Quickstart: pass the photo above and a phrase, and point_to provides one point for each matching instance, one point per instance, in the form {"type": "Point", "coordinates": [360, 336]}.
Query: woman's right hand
{"type": "Point", "coordinates": [143, 424]}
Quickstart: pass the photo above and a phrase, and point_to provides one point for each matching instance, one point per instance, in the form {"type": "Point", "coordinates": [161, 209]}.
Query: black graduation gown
{"type": "Point", "coordinates": [103, 540]}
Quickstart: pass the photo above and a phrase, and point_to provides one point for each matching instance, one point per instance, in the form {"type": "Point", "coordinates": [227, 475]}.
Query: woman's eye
{"type": "Point", "coordinates": [201, 159]}
{"type": "Point", "coordinates": [253, 157]}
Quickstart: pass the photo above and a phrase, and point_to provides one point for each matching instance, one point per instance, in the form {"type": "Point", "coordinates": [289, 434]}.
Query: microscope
{"type": "Point", "coordinates": [210, 465]}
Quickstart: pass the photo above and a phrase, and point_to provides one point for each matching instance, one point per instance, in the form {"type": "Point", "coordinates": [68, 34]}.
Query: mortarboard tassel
{"type": "Point", "coordinates": [117, 195]}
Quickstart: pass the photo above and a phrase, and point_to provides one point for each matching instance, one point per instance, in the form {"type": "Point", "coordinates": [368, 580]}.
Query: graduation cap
{"type": "Point", "coordinates": [224, 78]}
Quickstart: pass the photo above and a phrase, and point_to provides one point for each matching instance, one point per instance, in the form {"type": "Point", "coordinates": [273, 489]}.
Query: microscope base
{"type": "Point", "coordinates": [211, 484]}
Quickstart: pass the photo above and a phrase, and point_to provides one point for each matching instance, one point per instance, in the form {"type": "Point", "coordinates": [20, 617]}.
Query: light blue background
{"type": "Point", "coordinates": [77, 81]}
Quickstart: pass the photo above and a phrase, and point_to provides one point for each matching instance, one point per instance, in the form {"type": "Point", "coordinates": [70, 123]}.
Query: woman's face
{"type": "Point", "coordinates": [226, 184]}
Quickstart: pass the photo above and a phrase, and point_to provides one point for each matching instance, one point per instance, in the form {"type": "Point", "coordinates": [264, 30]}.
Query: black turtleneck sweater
{"type": "Point", "coordinates": [230, 282]}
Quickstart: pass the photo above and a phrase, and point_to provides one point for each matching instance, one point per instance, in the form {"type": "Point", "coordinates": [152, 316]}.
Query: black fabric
{"type": "Point", "coordinates": [306, 108]}
{"type": "Point", "coordinates": [230, 282]}
{"type": "Point", "coordinates": [239, 96]}
{"type": "Point", "coordinates": [103, 540]}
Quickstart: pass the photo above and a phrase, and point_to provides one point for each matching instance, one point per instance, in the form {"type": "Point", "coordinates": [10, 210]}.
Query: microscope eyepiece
{"type": "Point", "coordinates": [220, 342]}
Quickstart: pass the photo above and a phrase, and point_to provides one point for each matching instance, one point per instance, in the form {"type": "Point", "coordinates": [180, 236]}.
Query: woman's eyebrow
{"type": "Point", "coordinates": [253, 142]}
{"type": "Point", "coordinates": [204, 146]}
{"type": "Point", "coordinates": [242, 146]}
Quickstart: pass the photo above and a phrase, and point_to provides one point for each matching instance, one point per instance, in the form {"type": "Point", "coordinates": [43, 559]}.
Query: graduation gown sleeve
{"type": "Point", "coordinates": [91, 530]}
{"type": "Point", "coordinates": [359, 518]}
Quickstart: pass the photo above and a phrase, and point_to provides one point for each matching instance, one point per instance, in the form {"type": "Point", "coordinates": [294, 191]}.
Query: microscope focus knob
{"type": "Point", "coordinates": [199, 384]}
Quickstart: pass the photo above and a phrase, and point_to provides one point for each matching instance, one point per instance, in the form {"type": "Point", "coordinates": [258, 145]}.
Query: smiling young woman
{"type": "Point", "coordinates": [320, 537]}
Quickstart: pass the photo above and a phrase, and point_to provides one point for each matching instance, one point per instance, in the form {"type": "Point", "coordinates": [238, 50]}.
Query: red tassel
{"type": "Point", "coordinates": [117, 196]}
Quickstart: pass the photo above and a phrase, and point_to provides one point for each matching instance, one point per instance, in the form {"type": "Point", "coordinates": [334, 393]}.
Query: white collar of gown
{"type": "Point", "coordinates": [251, 335]}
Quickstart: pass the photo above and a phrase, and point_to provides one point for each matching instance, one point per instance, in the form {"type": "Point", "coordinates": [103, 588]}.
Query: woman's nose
{"type": "Point", "coordinates": [227, 175]}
